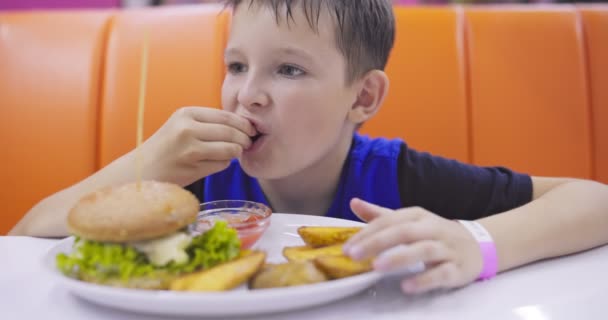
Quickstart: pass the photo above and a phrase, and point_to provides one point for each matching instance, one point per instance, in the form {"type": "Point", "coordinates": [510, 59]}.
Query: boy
{"type": "Point", "coordinates": [302, 77]}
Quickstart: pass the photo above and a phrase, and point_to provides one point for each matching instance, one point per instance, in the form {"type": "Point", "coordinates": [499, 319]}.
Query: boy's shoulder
{"type": "Point", "coordinates": [365, 147]}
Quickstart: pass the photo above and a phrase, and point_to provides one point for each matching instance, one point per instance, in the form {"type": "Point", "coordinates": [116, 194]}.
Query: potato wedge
{"type": "Point", "coordinates": [287, 275]}
{"type": "Point", "coordinates": [304, 253]}
{"type": "Point", "coordinates": [222, 277]}
{"type": "Point", "coordinates": [326, 236]}
{"type": "Point", "coordinates": [292, 253]}
{"type": "Point", "coordinates": [245, 252]}
{"type": "Point", "coordinates": [337, 267]}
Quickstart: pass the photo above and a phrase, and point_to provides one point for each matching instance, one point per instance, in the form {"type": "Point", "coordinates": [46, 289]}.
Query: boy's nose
{"type": "Point", "coordinates": [251, 95]}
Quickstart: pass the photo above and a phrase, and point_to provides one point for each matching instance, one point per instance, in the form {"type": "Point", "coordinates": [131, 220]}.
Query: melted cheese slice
{"type": "Point", "coordinates": [164, 250]}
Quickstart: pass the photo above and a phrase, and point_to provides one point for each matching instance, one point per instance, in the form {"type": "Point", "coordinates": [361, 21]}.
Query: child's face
{"type": "Point", "coordinates": [290, 82]}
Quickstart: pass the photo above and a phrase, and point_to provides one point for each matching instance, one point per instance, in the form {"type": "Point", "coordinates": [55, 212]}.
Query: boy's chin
{"type": "Point", "coordinates": [261, 169]}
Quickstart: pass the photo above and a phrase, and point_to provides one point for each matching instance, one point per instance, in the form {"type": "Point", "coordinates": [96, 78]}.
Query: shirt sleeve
{"type": "Point", "coordinates": [455, 190]}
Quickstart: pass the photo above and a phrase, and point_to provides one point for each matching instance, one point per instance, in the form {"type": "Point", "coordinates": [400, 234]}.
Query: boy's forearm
{"type": "Point", "coordinates": [570, 218]}
{"type": "Point", "coordinates": [48, 217]}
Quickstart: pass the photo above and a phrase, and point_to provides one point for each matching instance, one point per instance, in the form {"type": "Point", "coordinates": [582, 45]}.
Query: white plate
{"type": "Point", "coordinates": [241, 301]}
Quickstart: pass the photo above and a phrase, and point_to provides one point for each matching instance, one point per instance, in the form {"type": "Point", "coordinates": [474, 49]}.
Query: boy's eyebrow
{"type": "Point", "coordinates": [288, 51]}
{"type": "Point", "coordinates": [293, 51]}
{"type": "Point", "coordinates": [231, 51]}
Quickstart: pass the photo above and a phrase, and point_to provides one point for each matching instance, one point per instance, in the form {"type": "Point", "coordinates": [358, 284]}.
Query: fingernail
{"type": "Point", "coordinates": [381, 264]}
{"type": "Point", "coordinates": [356, 252]}
{"type": "Point", "coordinates": [346, 247]}
{"type": "Point", "coordinates": [409, 287]}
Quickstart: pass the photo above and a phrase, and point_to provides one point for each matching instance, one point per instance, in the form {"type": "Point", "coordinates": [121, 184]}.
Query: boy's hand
{"type": "Point", "coordinates": [195, 142]}
{"type": "Point", "coordinates": [450, 253]}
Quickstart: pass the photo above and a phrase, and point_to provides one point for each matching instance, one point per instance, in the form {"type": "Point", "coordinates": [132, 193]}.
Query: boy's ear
{"type": "Point", "coordinates": [372, 90]}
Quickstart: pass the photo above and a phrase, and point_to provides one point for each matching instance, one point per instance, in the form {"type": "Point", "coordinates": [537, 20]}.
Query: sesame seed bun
{"type": "Point", "coordinates": [127, 213]}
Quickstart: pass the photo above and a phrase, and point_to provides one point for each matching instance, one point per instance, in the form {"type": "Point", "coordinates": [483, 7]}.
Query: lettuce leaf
{"type": "Point", "coordinates": [217, 245]}
{"type": "Point", "coordinates": [102, 261]}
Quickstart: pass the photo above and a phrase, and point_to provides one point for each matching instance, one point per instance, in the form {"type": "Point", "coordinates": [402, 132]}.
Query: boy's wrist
{"type": "Point", "coordinates": [487, 249]}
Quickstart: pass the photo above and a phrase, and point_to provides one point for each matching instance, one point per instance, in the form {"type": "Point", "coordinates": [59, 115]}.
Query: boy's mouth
{"type": "Point", "coordinates": [256, 137]}
{"type": "Point", "coordinates": [256, 142]}
{"type": "Point", "coordinates": [259, 132]}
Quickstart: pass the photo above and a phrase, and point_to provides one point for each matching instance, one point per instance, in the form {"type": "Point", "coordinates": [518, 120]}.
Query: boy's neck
{"type": "Point", "coordinates": [312, 190]}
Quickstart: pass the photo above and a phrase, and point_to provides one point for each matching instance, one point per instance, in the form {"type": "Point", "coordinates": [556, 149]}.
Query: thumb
{"type": "Point", "coordinates": [366, 211]}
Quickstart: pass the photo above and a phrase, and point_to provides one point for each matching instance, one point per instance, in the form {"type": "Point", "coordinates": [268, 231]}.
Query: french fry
{"type": "Point", "coordinates": [222, 277]}
{"type": "Point", "coordinates": [287, 275]}
{"type": "Point", "coordinates": [326, 236]}
{"type": "Point", "coordinates": [341, 266]}
{"type": "Point", "coordinates": [304, 253]}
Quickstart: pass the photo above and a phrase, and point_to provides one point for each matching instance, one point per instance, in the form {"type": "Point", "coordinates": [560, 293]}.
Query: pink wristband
{"type": "Point", "coordinates": [487, 247]}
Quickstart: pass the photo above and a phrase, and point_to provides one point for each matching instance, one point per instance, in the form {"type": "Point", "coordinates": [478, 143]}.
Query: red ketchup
{"type": "Point", "coordinates": [249, 225]}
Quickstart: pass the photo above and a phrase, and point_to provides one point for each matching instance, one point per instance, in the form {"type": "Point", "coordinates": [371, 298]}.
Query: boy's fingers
{"type": "Point", "coordinates": [442, 276]}
{"type": "Point", "coordinates": [381, 218]}
{"type": "Point", "coordinates": [389, 237]}
{"type": "Point", "coordinates": [221, 133]}
{"type": "Point", "coordinates": [367, 211]}
{"type": "Point", "coordinates": [377, 225]}
{"type": "Point", "coordinates": [210, 115]}
{"type": "Point", "coordinates": [426, 251]}
{"type": "Point", "coordinates": [213, 151]}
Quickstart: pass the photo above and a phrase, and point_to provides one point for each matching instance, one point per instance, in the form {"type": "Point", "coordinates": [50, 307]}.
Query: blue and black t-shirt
{"type": "Point", "coordinates": [390, 174]}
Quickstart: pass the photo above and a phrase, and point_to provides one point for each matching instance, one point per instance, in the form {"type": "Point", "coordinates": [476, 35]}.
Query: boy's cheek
{"type": "Point", "coordinates": [229, 98]}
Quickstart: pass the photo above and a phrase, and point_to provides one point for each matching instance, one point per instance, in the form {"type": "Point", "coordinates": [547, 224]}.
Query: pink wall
{"type": "Point", "coordinates": [56, 4]}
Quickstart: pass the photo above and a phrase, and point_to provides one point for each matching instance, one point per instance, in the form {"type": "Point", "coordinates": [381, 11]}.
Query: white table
{"type": "Point", "coordinates": [573, 287]}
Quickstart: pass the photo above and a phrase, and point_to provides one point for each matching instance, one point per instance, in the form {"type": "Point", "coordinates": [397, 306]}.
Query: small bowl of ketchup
{"type": "Point", "coordinates": [249, 219]}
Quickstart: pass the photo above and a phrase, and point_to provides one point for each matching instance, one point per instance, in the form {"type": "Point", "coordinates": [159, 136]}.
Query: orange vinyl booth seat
{"type": "Point", "coordinates": [523, 87]}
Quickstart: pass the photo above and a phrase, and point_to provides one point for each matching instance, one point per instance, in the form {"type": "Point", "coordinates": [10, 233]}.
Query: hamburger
{"type": "Point", "coordinates": [136, 236]}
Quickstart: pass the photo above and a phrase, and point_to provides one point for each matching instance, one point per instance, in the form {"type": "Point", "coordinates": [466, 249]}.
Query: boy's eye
{"type": "Point", "coordinates": [236, 68]}
{"type": "Point", "coordinates": [290, 71]}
